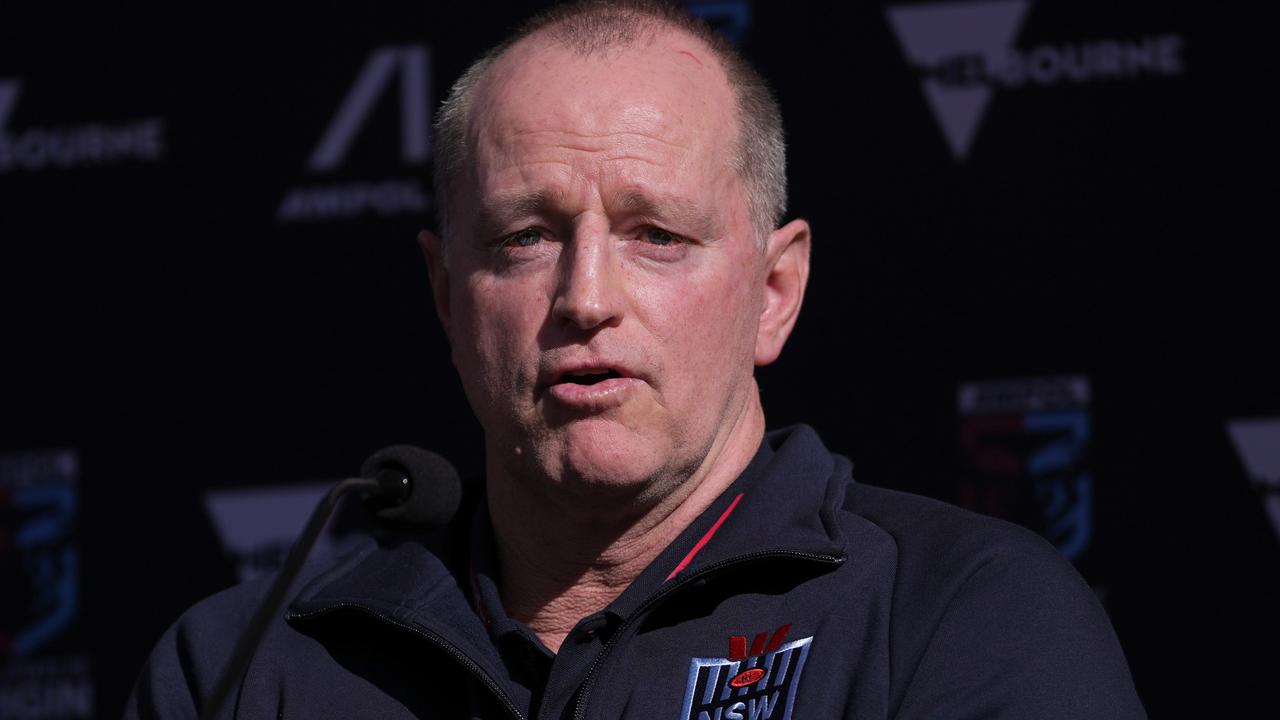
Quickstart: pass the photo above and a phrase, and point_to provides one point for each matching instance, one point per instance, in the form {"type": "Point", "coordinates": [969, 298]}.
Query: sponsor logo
{"type": "Point", "coordinates": [44, 672]}
{"type": "Point", "coordinates": [1026, 448]}
{"type": "Point", "coordinates": [964, 52]}
{"type": "Point", "coordinates": [387, 196]}
{"type": "Point", "coordinates": [257, 526]}
{"type": "Point", "coordinates": [1258, 445]}
{"type": "Point", "coordinates": [33, 149]}
{"type": "Point", "coordinates": [756, 685]}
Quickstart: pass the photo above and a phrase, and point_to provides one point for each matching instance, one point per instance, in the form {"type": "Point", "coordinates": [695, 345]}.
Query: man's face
{"type": "Point", "coordinates": [603, 283]}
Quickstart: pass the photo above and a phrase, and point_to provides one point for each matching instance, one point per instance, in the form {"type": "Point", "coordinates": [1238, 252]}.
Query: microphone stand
{"type": "Point", "coordinates": [247, 645]}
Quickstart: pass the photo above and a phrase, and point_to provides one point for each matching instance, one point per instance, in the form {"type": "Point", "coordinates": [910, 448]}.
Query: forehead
{"type": "Point", "coordinates": [659, 98]}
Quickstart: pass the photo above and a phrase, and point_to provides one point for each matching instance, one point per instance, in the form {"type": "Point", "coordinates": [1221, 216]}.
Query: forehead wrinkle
{"type": "Point", "coordinates": [576, 168]}
{"type": "Point", "coordinates": [529, 148]}
{"type": "Point", "coordinates": [558, 138]}
{"type": "Point", "coordinates": [508, 180]}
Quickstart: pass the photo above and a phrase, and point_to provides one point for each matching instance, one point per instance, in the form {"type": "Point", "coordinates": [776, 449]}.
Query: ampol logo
{"type": "Point", "coordinates": [964, 51]}
{"type": "Point", "coordinates": [1258, 445]}
{"type": "Point", "coordinates": [411, 64]}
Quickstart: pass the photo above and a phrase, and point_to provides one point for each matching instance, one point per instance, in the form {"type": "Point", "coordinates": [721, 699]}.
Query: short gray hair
{"type": "Point", "coordinates": [591, 26]}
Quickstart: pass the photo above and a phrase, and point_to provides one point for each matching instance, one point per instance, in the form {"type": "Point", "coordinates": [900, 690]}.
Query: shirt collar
{"type": "Point", "coordinates": [485, 595]}
{"type": "Point", "coordinates": [783, 501]}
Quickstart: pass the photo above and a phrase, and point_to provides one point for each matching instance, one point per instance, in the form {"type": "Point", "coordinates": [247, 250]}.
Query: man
{"type": "Point", "coordinates": [611, 269]}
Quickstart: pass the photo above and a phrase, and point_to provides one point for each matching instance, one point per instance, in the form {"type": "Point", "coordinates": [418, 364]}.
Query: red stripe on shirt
{"type": "Point", "coordinates": [702, 542]}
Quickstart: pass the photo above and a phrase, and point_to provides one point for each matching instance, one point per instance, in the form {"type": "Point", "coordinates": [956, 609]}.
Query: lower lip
{"type": "Point", "coordinates": [604, 395]}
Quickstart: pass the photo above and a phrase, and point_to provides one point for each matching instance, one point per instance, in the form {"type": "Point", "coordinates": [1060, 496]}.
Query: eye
{"type": "Point", "coordinates": [524, 238]}
{"type": "Point", "coordinates": [658, 236]}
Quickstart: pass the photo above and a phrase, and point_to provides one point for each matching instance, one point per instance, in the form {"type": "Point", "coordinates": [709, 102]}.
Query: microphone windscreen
{"type": "Point", "coordinates": [435, 489]}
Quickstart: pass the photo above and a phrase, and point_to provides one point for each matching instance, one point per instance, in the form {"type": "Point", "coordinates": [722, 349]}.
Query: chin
{"type": "Point", "coordinates": [598, 455]}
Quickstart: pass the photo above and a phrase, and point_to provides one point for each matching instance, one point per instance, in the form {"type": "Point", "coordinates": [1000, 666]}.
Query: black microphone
{"type": "Point", "coordinates": [407, 489]}
{"type": "Point", "coordinates": [404, 501]}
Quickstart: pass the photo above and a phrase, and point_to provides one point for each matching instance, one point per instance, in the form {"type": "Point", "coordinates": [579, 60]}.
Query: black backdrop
{"type": "Point", "coordinates": [189, 302]}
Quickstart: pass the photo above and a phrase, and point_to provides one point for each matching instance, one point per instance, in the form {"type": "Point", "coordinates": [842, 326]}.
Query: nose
{"type": "Point", "coordinates": [589, 294]}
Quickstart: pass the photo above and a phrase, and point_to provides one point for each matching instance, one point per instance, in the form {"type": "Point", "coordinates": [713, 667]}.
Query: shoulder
{"type": "Point", "coordinates": [946, 557]}
{"type": "Point", "coordinates": [215, 623]}
{"type": "Point", "coordinates": [925, 543]}
{"type": "Point", "coordinates": [988, 616]}
{"type": "Point", "coordinates": [948, 561]}
{"type": "Point", "coordinates": [186, 661]}
{"type": "Point", "coordinates": [945, 542]}
{"type": "Point", "coordinates": [951, 560]}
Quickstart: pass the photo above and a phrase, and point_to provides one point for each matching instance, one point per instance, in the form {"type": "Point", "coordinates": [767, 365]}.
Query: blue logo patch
{"type": "Point", "coordinates": [760, 687]}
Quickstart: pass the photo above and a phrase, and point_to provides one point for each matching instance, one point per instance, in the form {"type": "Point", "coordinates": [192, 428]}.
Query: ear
{"type": "Point", "coordinates": [786, 273]}
{"type": "Point", "coordinates": [438, 273]}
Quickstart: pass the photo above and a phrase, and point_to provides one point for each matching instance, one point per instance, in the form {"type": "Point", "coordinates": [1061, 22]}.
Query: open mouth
{"type": "Point", "coordinates": [589, 377]}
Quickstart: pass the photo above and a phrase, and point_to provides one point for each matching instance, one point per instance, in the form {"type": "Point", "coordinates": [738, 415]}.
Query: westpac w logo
{"type": "Point", "coordinates": [761, 686]}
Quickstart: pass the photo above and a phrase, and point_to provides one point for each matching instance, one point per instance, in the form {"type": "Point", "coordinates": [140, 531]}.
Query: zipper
{"type": "Point", "coordinates": [584, 691]}
{"type": "Point", "coordinates": [449, 648]}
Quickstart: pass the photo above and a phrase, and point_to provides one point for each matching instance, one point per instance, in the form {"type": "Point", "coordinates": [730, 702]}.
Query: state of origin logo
{"type": "Point", "coordinates": [759, 684]}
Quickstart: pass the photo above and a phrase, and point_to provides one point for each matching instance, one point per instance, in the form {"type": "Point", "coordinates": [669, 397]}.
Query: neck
{"type": "Point", "coordinates": [559, 562]}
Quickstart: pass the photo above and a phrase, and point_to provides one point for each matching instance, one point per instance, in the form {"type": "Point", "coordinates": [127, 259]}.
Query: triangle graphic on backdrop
{"type": "Point", "coordinates": [932, 33]}
{"type": "Point", "coordinates": [258, 525]}
{"type": "Point", "coordinates": [1258, 445]}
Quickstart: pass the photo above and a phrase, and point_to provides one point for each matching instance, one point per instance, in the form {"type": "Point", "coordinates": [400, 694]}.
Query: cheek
{"type": "Point", "coordinates": [497, 325]}
{"type": "Point", "coordinates": [703, 323]}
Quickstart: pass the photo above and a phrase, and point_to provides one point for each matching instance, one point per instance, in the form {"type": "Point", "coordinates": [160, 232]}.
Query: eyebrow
{"type": "Point", "coordinates": [689, 215]}
{"type": "Point", "coordinates": [506, 208]}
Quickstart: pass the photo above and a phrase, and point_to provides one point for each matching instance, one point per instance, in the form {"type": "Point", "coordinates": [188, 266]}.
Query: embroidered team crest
{"type": "Point", "coordinates": [756, 685]}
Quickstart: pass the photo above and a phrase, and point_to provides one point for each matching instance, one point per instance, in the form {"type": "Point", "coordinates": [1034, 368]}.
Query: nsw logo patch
{"type": "Point", "coordinates": [756, 686]}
